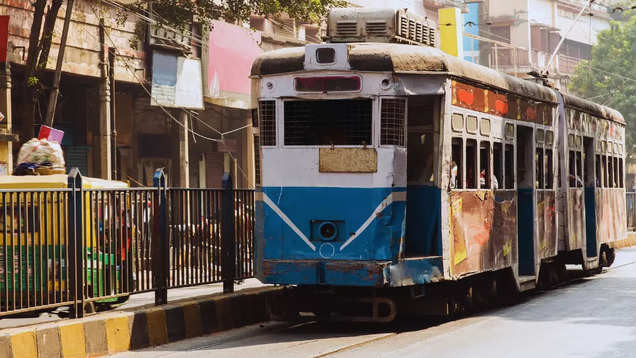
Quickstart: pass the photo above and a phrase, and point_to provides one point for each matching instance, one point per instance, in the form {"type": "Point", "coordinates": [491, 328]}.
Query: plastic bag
{"type": "Point", "coordinates": [41, 151]}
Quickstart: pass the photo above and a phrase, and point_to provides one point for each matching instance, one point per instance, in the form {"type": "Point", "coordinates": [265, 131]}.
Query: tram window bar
{"type": "Point", "coordinates": [484, 165]}
{"type": "Point", "coordinates": [497, 163]}
{"type": "Point", "coordinates": [539, 168]}
{"type": "Point", "coordinates": [456, 181]}
{"type": "Point", "coordinates": [549, 172]}
{"type": "Point", "coordinates": [471, 164]}
{"type": "Point", "coordinates": [509, 165]}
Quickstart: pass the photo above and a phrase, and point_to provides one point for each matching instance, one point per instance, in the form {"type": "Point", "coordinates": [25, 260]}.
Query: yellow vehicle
{"type": "Point", "coordinates": [34, 236]}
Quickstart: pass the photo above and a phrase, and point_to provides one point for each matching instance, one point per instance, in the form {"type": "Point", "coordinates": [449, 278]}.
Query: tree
{"type": "Point", "coordinates": [40, 40]}
{"type": "Point", "coordinates": [178, 13]}
{"type": "Point", "coordinates": [609, 77]}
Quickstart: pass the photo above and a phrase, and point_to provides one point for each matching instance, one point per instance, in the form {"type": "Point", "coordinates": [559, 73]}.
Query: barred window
{"type": "Point", "coordinates": [393, 118]}
{"type": "Point", "coordinates": [267, 119]}
{"type": "Point", "coordinates": [328, 122]}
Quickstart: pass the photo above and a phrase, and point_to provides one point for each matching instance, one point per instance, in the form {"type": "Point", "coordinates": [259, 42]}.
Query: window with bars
{"type": "Point", "coordinates": [393, 121]}
{"type": "Point", "coordinates": [267, 120]}
{"type": "Point", "coordinates": [328, 122]}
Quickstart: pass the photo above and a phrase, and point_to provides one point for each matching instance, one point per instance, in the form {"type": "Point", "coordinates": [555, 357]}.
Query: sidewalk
{"type": "Point", "coordinates": [137, 300]}
{"type": "Point", "coordinates": [190, 312]}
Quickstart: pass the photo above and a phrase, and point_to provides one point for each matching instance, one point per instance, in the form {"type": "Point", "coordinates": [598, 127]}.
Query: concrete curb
{"type": "Point", "coordinates": [121, 331]}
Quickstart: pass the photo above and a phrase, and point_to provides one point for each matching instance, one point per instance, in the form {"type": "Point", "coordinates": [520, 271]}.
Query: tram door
{"type": "Point", "coordinates": [423, 214]}
{"type": "Point", "coordinates": [525, 195]}
{"type": "Point", "coordinates": [590, 197]}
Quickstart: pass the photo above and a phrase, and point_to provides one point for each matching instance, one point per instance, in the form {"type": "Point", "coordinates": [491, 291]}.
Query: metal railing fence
{"type": "Point", "coordinates": [84, 247]}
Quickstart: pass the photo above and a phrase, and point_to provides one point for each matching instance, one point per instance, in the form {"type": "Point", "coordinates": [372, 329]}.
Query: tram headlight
{"type": "Point", "coordinates": [328, 230]}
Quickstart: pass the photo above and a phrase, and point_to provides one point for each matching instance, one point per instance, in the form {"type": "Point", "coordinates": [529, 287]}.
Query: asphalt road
{"type": "Point", "coordinates": [589, 317]}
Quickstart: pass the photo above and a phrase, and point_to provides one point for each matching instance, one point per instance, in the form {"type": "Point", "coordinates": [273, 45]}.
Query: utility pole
{"type": "Point", "coordinates": [50, 113]}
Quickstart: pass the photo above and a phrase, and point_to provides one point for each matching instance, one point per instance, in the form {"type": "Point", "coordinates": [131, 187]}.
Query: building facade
{"type": "Point", "coordinates": [113, 129]}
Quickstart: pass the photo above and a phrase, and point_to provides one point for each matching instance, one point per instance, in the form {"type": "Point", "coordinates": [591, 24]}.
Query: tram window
{"type": "Point", "coordinates": [471, 164]}
{"type": "Point", "coordinates": [330, 122]}
{"type": "Point", "coordinates": [549, 138]}
{"type": "Point", "coordinates": [497, 163]}
{"type": "Point", "coordinates": [610, 171]}
{"type": "Point", "coordinates": [599, 176]}
{"type": "Point", "coordinates": [392, 121]}
{"type": "Point", "coordinates": [549, 172]}
{"type": "Point", "coordinates": [604, 171]}
{"type": "Point", "coordinates": [484, 165]}
{"type": "Point", "coordinates": [457, 122]}
{"type": "Point", "coordinates": [620, 172]}
{"type": "Point", "coordinates": [579, 170]}
{"type": "Point", "coordinates": [510, 131]}
{"type": "Point", "coordinates": [456, 181]}
{"type": "Point", "coordinates": [484, 127]}
{"type": "Point", "coordinates": [538, 158]}
{"type": "Point", "coordinates": [267, 118]}
{"type": "Point", "coordinates": [509, 166]}
{"type": "Point", "coordinates": [471, 124]}
{"type": "Point", "coordinates": [572, 169]}
{"type": "Point", "coordinates": [616, 175]}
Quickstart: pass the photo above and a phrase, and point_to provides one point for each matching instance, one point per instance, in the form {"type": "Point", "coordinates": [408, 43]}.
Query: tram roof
{"type": "Point", "coordinates": [594, 109]}
{"type": "Point", "coordinates": [409, 59]}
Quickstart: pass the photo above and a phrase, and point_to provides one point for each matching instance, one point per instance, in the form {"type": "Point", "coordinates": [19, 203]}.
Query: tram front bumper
{"type": "Point", "coordinates": [351, 273]}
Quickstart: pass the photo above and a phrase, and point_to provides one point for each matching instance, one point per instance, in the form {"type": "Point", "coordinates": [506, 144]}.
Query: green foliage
{"type": "Point", "coordinates": [179, 13]}
{"type": "Point", "coordinates": [609, 78]}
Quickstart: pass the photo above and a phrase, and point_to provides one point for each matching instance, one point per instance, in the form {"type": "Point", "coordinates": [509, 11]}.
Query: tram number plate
{"type": "Point", "coordinates": [348, 160]}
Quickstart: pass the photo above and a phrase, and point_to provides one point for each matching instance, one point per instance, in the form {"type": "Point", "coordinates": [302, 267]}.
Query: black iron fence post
{"type": "Point", "coordinates": [75, 243]}
{"type": "Point", "coordinates": [228, 255]}
{"type": "Point", "coordinates": [160, 240]}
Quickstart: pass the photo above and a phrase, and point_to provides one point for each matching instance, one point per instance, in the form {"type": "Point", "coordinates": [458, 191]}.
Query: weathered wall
{"type": "Point", "coordinates": [83, 46]}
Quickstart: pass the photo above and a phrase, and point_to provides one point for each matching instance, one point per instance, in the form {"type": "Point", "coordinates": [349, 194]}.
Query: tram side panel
{"type": "Point", "coordinates": [483, 227]}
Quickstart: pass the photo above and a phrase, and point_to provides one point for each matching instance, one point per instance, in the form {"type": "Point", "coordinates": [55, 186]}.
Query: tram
{"type": "Point", "coordinates": [393, 172]}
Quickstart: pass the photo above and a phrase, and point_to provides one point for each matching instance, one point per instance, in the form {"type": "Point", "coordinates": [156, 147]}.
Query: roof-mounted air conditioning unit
{"type": "Point", "coordinates": [379, 25]}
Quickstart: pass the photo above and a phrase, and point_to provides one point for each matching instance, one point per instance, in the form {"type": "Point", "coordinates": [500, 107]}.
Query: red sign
{"type": "Point", "coordinates": [4, 37]}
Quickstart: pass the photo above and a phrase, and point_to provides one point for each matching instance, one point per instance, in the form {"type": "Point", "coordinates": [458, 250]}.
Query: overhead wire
{"type": "Point", "coordinates": [194, 133]}
{"type": "Point", "coordinates": [150, 21]}
{"type": "Point", "coordinates": [141, 83]}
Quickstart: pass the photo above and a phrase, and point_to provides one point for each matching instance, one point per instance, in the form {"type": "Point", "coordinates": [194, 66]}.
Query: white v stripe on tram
{"type": "Point", "coordinates": [394, 196]}
{"type": "Point", "coordinates": [287, 221]}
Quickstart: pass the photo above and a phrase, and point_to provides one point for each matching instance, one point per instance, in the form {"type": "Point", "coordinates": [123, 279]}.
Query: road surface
{"type": "Point", "coordinates": [590, 317]}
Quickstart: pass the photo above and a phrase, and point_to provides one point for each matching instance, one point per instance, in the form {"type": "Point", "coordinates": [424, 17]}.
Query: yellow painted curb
{"type": "Point", "coordinates": [73, 341]}
{"type": "Point", "coordinates": [157, 330]}
{"type": "Point", "coordinates": [192, 319]}
{"type": "Point", "coordinates": [24, 346]}
{"type": "Point", "coordinates": [117, 334]}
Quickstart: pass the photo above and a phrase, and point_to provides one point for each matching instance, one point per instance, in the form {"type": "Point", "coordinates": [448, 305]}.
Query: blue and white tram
{"type": "Point", "coordinates": [395, 167]}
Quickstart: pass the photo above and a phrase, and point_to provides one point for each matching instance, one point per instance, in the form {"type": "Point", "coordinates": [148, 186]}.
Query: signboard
{"type": "Point", "coordinates": [176, 81]}
{"type": "Point", "coordinates": [4, 37]}
{"type": "Point", "coordinates": [231, 52]}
